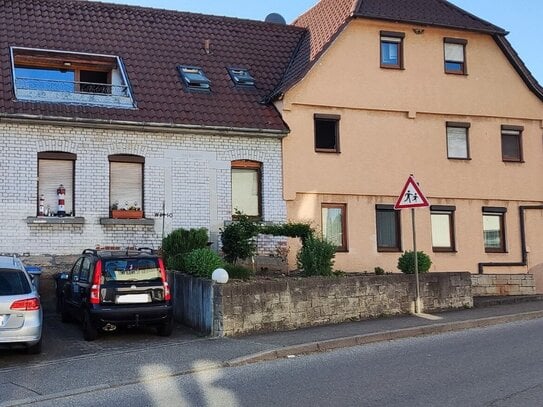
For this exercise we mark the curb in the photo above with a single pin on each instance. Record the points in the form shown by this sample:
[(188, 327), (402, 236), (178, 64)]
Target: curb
[(350, 341)]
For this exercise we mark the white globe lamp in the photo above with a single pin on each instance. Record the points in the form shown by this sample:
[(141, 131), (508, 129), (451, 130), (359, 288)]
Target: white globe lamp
[(220, 276)]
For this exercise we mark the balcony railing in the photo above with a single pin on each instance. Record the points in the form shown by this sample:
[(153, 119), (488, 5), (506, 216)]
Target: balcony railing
[(52, 90)]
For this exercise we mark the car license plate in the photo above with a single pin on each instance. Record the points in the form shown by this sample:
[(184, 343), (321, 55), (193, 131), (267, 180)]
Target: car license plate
[(133, 299), (3, 319)]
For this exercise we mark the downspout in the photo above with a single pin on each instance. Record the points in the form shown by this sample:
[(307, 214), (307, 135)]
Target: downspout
[(524, 252)]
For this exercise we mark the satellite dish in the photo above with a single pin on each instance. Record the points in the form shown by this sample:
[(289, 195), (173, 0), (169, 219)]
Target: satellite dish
[(275, 18)]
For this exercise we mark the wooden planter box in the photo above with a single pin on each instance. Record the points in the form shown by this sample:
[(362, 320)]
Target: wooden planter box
[(118, 214)]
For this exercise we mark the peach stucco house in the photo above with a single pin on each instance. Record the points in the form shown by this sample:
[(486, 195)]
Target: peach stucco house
[(380, 90)]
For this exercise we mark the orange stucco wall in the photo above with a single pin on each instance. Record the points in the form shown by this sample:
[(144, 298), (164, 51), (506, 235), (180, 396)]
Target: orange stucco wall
[(393, 124)]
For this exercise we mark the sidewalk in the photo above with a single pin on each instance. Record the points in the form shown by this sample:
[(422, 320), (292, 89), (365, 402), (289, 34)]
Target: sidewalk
[(151, 358)]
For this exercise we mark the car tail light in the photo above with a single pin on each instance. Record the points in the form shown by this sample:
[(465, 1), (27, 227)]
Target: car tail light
[(95, 288), (167, 294), (30, 304)]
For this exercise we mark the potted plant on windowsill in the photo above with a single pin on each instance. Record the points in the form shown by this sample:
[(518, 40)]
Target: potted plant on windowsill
[(128, 212)]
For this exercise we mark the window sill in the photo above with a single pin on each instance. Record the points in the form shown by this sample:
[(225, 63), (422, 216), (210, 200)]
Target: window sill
[(496, 251), (396, 67), (513, 161), (459, 159), (443, 250), (388, 250), (141, 222), (456, 73), (55, 220), (325, 150)]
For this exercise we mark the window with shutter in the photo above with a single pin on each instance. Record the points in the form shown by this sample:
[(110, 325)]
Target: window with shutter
[(392, 49), (512, 143), (455, 56), (126, 182), (457, 140), (55, 169)]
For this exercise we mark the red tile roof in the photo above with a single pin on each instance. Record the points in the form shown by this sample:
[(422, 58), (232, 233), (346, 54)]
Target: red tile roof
[(152, 43), (427, 12)]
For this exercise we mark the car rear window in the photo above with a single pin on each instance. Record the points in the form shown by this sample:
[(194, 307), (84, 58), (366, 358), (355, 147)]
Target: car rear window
[(13, 282), (131, 270)]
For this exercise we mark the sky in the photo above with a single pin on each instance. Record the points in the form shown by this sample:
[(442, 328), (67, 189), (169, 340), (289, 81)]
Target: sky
[(520, 18)]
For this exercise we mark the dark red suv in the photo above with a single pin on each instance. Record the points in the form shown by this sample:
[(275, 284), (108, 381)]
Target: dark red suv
[(109, 289)]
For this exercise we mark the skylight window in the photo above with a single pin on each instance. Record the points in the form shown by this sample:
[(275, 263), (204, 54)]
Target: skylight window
[(241, 77), (194, 78), (68, 77)]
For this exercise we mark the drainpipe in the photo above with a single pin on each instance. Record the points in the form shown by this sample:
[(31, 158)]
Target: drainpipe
[(524, 252)]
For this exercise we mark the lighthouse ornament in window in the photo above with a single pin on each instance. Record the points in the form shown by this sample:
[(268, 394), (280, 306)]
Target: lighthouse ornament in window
[(61, 195), (41, 210)]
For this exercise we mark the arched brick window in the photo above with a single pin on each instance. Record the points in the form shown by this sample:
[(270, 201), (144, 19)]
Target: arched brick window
[(56, 168), (126, 181)]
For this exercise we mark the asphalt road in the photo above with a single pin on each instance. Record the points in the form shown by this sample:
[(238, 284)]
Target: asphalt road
[(498, 366)]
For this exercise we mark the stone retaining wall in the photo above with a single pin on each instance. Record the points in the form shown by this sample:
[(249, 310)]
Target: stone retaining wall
[(289, 303), (484, 285)]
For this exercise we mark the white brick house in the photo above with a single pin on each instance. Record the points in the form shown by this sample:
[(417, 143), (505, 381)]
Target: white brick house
[(123, 108), (190, 173)]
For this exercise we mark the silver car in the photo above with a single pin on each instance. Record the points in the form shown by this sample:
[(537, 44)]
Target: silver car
[(20, 309)]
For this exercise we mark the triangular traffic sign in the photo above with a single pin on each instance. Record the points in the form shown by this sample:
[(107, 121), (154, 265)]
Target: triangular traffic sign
[(411, 196)]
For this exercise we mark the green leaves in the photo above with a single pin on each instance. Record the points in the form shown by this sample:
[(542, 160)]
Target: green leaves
[(202, 262), (406, 262), (316, 257), (180, 242)]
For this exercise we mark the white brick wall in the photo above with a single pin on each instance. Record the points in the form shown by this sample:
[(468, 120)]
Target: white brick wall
[(190, 172)]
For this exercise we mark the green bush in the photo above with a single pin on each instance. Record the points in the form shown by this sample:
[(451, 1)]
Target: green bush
[(316, 257), (202, 262), (237, 238), (180, 242), (406, 262), (238, 272), (301, 230), (379, 271)]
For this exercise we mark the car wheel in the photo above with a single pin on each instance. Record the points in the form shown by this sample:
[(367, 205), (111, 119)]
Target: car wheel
[(34, 349), (165, 329), (90, 333)]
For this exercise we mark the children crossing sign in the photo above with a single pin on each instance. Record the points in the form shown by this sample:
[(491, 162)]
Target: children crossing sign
[(411, 196)]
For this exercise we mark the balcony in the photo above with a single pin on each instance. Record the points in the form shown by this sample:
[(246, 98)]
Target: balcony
[(63, 91), (67, 77)]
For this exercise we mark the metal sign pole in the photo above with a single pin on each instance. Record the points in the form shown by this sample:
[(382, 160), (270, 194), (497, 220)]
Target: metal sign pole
[(417, 285), (412, 197), (163, 215), (163, 219)]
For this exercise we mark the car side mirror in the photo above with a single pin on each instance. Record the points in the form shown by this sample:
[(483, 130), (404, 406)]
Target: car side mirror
[(34, 271)]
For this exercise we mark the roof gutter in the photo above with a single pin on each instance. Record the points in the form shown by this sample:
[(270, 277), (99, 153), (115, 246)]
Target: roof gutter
[(142, 126), (524, 251)]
